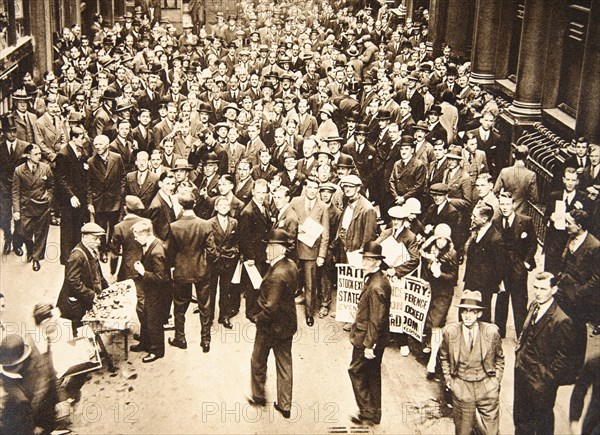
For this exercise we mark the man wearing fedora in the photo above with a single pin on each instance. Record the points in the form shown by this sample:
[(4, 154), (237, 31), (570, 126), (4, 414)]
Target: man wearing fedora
[(33, 193), (276, 323), (24, 119), (11, 155), (103, 114), (369, 335), (83, 276), (50, 132), (409, 175), (542, 359), (473, 364)]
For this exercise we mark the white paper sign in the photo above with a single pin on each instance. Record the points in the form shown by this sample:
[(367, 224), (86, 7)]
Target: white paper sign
[(395, 253), (309, 231)]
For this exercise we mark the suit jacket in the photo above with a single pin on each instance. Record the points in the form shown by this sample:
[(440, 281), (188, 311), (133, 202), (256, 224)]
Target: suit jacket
[(161, 214), (252, 151), (25, 128), (243, 192), (294, 185), (123, 244), (461, 189), (147, 191), (436, 175), (161, 130), (371, 328), (363, 161), (409, 240), (186, 248), (363, 226), (519, 181), (288, 221), (98, 120), (83, 281), (492, 356), (477, 165), (319, 214), (417, 104), (276, 307), (579, 280), (48, 137), (8, 164), (496, 151), (486, 261), (125, 151), (266, 174), (426, 155), (543, 351), (448, 215), (307, 126), (520, 242), (409, 180), (223, 244), (255, 227), (70, 177), (106, 183), (32, 192), (147, 143), (156, 273)]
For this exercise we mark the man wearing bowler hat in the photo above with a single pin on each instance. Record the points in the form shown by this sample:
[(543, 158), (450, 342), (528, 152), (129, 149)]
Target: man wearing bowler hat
[(370, 334), (473, 364), (83, 276), (409, 175), (276, 323)]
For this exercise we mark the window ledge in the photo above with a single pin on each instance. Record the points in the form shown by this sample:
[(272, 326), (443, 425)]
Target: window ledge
[(11, 49), (507, 86), (560, 117)]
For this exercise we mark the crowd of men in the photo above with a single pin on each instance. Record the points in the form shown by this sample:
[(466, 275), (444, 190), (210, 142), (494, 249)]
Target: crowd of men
[(157, 151)]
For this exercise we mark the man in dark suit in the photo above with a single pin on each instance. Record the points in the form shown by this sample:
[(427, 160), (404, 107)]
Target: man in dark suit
[(122, 145), (491, 142), (71, 190), (473, 365), (276, 323), (558, 204), (106, 185), (518, 180), (11, 154), (409, 175), (310, 257), (244, 182), (152, 279), (83, 276), (142, 183), (222, 258), (161, 211), (435, 127), (254, 224), (520, 241), (486, 258), (33, 192), (143, 134), (579, 280), (124, 245), (186, 248), (541, 359), (413, 96), (264, 169), (442, 212), (370, 334), (362, 153)]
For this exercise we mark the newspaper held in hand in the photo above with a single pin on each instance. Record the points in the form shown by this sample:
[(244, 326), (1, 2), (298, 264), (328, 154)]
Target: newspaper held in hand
[(309, 231), (560, 211), (237, 274), (355, 259), (254, 275), (395, 253)]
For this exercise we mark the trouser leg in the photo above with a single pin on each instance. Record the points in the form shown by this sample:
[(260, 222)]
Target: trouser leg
[(156, 333), (182, 295), (258, 364), (283, 364), (309, 271), (40, 236), (203, 297)]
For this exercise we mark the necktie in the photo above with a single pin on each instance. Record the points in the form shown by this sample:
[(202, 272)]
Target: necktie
[(534, 314), (470, 343), (505, 223), (580, 161), (470, 158)]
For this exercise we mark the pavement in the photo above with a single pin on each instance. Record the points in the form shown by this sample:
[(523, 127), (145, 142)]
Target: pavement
[(188, 391)]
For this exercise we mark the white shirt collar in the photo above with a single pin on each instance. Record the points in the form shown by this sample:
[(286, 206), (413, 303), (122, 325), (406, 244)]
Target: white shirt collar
[(483, 230)]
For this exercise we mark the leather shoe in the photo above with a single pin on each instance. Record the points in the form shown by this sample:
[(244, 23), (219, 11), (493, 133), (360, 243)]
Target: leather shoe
[(6, 249), (150, 358), (256, 402), (205, 347), (226, 323), (283, 412), (137, 348), (359, 419), (310, 320), (29, 258), (136, 337), (19, 252), (181, 344), (36, 265)]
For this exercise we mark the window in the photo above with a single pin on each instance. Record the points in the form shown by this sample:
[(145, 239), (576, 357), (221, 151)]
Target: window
[(14, 22)]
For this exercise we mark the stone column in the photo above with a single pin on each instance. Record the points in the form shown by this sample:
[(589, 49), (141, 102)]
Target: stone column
[(41, 13), (410, 8), (438, 10), (530, 72), (458, 16), (485, 38), (588, 108)]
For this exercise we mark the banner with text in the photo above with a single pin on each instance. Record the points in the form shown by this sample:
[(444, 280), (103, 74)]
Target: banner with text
[(409, 301)]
